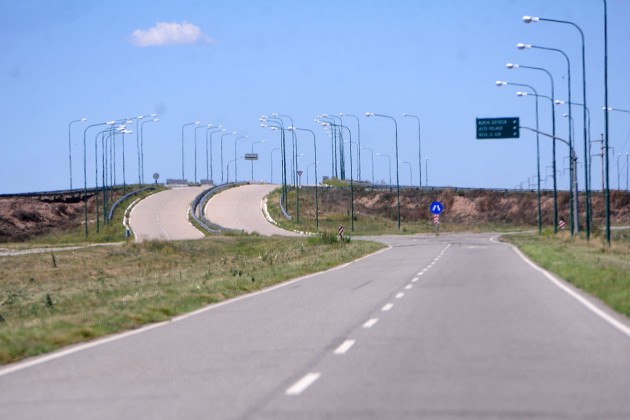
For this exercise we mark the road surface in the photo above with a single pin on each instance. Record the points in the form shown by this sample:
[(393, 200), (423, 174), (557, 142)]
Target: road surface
[(453, 327), (240, 208), (164, 215)]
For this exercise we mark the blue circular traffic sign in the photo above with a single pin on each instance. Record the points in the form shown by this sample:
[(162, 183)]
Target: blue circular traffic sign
[(436, 207)]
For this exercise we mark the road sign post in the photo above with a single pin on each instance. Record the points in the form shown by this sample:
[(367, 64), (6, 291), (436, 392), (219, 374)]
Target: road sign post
[(498, 128), (436, 208)]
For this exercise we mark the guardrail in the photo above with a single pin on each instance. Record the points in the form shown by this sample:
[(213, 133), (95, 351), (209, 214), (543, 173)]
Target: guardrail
[(197, 208), (282, 209), (124, 197)]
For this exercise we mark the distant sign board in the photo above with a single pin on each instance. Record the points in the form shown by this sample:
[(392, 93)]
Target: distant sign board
[(251, 156), (498, 128)]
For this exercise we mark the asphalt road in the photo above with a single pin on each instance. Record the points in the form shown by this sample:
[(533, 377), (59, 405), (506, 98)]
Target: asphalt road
[(164, 215), (241, 208), (454, 327)]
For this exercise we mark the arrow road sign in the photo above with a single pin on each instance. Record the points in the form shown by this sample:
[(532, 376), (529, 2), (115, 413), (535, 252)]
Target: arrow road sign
[(436, 207)]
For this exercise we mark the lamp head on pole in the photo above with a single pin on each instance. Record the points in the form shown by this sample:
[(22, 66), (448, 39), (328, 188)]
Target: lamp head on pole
[(369, 114), (511, 66), (530, 19), (500, 83), (522, 46), (520, 94)]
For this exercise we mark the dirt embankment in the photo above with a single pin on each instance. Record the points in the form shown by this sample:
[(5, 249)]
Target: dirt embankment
[(473, 207), (25, 217)]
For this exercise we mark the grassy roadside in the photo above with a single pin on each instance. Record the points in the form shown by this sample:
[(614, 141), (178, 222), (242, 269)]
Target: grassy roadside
[(51, 300), (591, 266)]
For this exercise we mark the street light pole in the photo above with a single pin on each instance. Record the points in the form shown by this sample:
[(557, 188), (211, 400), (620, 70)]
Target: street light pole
[(141, 171), (371, 114), (499, 84), (358, 142), (419, 149), (195, 140), (573, 188), (372, 158), (316, 178), (235, 161), (587, 224), (85, 171), (410, 172), (223, 135), (70, 146), (607, 191), (252, 162), (185, 125), (210, 176), (553, 122), (389, 165)]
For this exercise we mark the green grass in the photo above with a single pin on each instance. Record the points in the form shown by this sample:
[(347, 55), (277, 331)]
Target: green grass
[(52, 300), (599, 270)]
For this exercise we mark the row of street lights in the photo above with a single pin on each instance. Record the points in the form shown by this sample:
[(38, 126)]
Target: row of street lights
[(586, 127), (142, 119), (335, 128)]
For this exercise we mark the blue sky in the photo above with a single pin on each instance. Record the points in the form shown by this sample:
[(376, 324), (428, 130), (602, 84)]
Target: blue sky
[(229, 62)]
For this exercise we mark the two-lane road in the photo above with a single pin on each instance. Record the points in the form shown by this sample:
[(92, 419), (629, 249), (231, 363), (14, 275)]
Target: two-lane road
[(457, 326)]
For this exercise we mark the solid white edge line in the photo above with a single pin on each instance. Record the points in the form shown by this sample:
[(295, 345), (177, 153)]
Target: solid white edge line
[(370, 323), (344, 347), (37, 360), (624, 329), (301, 385)]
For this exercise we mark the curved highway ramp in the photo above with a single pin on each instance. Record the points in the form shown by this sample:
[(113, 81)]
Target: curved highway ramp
[(240, 208), (164, 216)]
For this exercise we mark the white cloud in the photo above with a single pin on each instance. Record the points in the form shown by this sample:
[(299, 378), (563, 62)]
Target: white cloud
[(169, 33)]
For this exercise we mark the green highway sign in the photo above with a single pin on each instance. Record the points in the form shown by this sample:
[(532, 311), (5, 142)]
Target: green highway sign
[(498, 128)]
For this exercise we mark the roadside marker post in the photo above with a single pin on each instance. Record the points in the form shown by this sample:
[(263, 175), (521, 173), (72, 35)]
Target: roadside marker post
[(436, 208), (340, 230)]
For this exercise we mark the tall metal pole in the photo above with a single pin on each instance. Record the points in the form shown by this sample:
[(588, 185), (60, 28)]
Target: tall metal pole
[(358, 143), (553, 122), (316, 178), (223, 135), (185, 125), (606, 124), (573, 189), (372, 159), (70, 146), (537, 150), (587, 205), (371, 114), (85, 172), (195, 140), (219, 130), (419, 149), (141, 171)]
